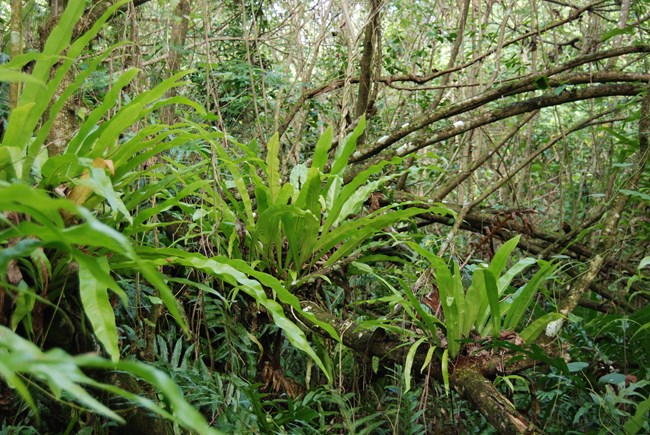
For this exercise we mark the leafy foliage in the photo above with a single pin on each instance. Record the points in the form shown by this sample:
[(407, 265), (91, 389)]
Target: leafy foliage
[(180, 258)]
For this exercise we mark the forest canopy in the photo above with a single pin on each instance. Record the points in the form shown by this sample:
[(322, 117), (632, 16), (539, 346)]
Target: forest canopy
[(324, 217)]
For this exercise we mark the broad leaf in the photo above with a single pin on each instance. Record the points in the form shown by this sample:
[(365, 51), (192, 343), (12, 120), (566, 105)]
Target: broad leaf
[(532, 331), (93, 289)]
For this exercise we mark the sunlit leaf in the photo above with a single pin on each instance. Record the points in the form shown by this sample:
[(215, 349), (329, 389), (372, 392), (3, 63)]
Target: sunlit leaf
[(9, 75), (273, 166), (493, 301)]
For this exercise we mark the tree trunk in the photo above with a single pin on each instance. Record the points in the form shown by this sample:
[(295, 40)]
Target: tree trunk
[(179, 34), (490, 402)]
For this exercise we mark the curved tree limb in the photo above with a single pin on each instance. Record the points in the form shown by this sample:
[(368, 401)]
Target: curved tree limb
[(499, 114), (508, 111), (490, 402)]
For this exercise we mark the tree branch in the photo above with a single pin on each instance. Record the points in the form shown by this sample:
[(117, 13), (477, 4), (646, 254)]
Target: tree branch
[(506, 112)]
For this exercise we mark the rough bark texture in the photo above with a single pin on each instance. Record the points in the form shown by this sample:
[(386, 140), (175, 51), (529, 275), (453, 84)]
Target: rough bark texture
[(490, 402), (369, 41)]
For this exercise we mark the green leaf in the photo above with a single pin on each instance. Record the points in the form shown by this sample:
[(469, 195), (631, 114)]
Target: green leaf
[(408, 364), (612, 378), (645, 262), (429, 320), (152, 140), (9, 374), (273, 166), (427, 359), (629, 30), (298, 178), (556, 91), (636, 194), (93, 289), (267, 237), (12, 156), (577, 366), (101, 184), (354, 233), (635, 424), (19, 131), (459, 301), (522, 298), (321, 151), (346, 148), (88, 132), (301, 230), (12, 76), (506, 278), (541, 82), (493, 301), (23, 306), (500, 259), (22, 248), (533, 330), (446, 289), (55, 368), (309, 195), (182, 412), (47, 224), (445, 370), (474, 297), (503, 284), (347, 199), (242, 189), (191, 189), (332, 192), (109, 132), (234, 272), (80, 78)]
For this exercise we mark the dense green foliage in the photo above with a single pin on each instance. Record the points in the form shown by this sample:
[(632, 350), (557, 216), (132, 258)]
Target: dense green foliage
[(163, 268)]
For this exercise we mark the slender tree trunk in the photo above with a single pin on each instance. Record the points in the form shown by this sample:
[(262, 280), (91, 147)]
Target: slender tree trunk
[(622, 23), (365, 76), (16, 46), (65, 123), (180, 26)]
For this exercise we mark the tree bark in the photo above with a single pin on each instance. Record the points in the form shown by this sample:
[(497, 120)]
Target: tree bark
[(365, 75), (16, 40), (490, 402), (180, 26)]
